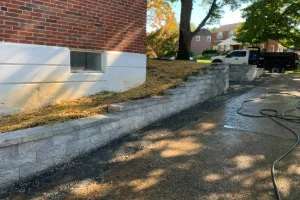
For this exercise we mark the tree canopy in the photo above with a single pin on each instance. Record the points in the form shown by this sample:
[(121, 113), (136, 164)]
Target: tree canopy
[(268, 19), (163, 39), (162, 43), (160, 14)]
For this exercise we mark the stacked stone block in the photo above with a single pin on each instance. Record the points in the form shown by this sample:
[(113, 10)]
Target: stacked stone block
[(244, 73), (31, 151)]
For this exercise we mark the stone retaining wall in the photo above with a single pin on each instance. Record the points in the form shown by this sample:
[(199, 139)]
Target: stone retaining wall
[(260, 72), (28, 152), (244, 72)]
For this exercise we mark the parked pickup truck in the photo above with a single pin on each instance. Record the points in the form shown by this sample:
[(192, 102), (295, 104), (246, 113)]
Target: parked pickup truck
[(275, 62), (246, 57)]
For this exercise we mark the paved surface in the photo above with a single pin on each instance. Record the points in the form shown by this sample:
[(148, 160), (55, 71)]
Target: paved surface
[(206, 152)]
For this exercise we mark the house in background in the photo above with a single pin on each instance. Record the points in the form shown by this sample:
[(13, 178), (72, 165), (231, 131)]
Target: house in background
[(221, 34), (223, 39), (271, 46), (201, 42), (53, 51)]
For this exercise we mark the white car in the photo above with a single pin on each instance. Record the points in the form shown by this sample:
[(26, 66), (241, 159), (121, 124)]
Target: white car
[(237, 57)]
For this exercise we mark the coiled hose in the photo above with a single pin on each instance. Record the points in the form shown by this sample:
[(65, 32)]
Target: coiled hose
[(274, 114)]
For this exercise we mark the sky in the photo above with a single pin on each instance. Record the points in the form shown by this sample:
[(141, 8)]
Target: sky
[(199, 13)]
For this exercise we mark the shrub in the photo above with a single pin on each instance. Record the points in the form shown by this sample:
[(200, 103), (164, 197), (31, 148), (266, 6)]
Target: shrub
[(209, 52), (205, 57), (162, 43)]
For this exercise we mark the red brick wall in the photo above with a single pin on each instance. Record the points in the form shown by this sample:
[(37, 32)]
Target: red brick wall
[(116, 25), (270, 43), (197, 47), (213, 39)]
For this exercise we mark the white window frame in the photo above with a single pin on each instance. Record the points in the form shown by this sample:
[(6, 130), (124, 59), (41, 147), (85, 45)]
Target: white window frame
[(272, 48), (103, 55), (220, 35), (198, 38), (231, 34), (208, 38)]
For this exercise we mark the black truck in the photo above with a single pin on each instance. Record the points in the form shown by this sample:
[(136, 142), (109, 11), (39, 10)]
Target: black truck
[(278, 62)]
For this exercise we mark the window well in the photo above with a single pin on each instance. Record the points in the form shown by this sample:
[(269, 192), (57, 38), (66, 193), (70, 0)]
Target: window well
[(86, 61)]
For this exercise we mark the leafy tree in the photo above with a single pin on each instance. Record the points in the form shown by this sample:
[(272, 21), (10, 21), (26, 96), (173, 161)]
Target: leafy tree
[(268, 19), (214, 11), (162, 42), (213, 29), (160, 14)]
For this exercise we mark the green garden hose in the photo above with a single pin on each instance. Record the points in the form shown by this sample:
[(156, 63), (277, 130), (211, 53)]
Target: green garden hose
[(274, 114)]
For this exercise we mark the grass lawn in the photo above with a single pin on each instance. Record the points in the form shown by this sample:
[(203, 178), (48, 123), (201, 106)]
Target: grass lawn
[(203, 61), (293, 72), (161, 75)]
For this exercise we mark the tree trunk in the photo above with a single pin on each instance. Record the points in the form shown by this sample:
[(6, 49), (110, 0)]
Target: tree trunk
[(185, 34)]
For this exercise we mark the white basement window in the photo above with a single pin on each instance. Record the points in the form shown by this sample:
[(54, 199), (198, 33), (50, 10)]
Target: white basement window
[(198, 38), (86, 61)]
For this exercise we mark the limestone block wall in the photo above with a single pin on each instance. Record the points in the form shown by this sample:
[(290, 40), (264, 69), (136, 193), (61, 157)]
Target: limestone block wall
[(260, 72), (244, 72), (31, 151)]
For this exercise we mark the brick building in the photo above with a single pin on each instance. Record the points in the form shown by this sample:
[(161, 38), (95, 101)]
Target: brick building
[(201, 42), (117, 25), (58, 50), (222, 33), (228, 32)]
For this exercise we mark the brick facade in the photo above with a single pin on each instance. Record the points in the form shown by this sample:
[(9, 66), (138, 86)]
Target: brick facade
[(203, 42), (215, 39), (114, 25)]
